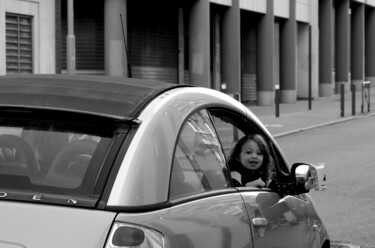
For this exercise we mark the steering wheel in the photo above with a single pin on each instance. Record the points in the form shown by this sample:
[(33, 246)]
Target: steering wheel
[(16, 156)]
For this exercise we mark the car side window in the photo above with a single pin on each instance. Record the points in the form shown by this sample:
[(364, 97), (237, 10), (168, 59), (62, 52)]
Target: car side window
[(229, 134), (231, 127), (199, 163)]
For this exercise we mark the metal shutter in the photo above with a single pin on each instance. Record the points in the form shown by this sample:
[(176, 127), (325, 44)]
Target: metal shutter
[(153, 41), (19, 59), (89, 36), (249, 88)]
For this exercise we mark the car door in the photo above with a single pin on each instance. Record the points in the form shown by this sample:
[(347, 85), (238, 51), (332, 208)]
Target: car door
[(206, 211), (277, 220)]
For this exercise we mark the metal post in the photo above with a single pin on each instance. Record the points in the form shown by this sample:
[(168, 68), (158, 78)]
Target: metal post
[(363, 96), (277, 100), (310, 69), (368, 103), (236, 136), (353, 98), (342, 93), (70, 40)]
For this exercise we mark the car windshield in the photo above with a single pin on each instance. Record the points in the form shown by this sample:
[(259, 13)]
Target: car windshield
[(53, 157)]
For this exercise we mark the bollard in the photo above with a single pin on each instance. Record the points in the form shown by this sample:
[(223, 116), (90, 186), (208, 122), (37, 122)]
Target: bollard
[(342, 91), (365, 85), (363, 97), (235, 129), (277, 100), (368, 103), (353, 98)]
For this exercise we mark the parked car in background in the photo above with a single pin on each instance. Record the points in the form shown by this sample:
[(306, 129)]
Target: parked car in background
[(94, 161)]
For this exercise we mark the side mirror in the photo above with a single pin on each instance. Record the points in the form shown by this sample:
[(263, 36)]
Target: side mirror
[(301, 172)]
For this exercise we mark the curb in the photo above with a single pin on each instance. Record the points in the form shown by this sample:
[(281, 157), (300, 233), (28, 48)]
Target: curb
[(338, 244), (345, 119)]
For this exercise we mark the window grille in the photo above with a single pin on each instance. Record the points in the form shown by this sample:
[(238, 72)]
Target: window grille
[(19, 54)]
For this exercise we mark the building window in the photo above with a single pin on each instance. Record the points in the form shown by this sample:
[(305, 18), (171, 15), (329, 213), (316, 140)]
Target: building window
[(19, 55)]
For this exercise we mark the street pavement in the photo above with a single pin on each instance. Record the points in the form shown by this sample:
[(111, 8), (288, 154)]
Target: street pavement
[(297, 117)]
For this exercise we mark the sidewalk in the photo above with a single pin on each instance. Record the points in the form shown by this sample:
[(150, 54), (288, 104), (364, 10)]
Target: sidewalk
[(296, 117)]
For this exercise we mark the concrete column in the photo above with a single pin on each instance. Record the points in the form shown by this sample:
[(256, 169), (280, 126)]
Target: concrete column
[(303, 59), (265, 58), (231, 52), (342, 46), (216, 57), (115, 57), (314, 49), (288, 57), (369, 46), (199, 43), (358, 44), (325, 47), (181, 46)]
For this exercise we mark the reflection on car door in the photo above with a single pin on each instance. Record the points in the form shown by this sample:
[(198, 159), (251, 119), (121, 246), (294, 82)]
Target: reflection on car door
[(277, 221), (211, 221), (206, 211)]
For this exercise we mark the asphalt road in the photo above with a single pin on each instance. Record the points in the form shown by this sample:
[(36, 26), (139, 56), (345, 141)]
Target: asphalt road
[(348, 151)]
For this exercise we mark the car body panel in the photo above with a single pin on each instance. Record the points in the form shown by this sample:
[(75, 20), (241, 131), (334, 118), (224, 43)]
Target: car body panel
[(284, 214), (320, 234), (218, 221), (38, 225), (161, 121)]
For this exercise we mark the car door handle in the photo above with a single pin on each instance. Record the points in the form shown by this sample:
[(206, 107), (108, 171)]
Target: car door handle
[(260, 222), (315, 227)]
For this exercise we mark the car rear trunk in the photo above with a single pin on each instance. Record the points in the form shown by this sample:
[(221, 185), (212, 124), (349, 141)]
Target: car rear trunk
[(40, 225)]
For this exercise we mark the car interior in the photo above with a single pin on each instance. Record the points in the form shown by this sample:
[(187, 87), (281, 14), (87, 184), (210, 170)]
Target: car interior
[(46, 156)]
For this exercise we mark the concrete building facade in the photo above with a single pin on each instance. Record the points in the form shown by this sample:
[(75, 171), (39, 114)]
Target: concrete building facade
[(244, 47)]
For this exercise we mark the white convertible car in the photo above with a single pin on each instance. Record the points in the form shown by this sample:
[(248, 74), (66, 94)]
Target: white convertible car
[(94, 161)]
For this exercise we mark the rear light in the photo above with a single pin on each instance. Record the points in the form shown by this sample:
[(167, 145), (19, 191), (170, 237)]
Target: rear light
[(132, 236)]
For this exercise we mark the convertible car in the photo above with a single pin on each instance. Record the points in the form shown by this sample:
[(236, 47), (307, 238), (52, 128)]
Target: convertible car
[(95, 161)]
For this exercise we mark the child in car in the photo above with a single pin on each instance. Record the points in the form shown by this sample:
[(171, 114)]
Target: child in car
[(251, 165)]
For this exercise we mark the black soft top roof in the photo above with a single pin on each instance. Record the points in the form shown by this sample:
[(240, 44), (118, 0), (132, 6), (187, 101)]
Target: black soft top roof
[(120, 98)]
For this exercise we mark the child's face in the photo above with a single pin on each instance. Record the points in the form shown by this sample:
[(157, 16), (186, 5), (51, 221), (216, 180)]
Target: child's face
[(251, 157)]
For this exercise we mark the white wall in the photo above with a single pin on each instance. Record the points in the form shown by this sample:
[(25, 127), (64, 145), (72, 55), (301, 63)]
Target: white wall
[(254, 5), (303, 10), (368, 2), (43, 28), (281, 8), (222, 2)]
